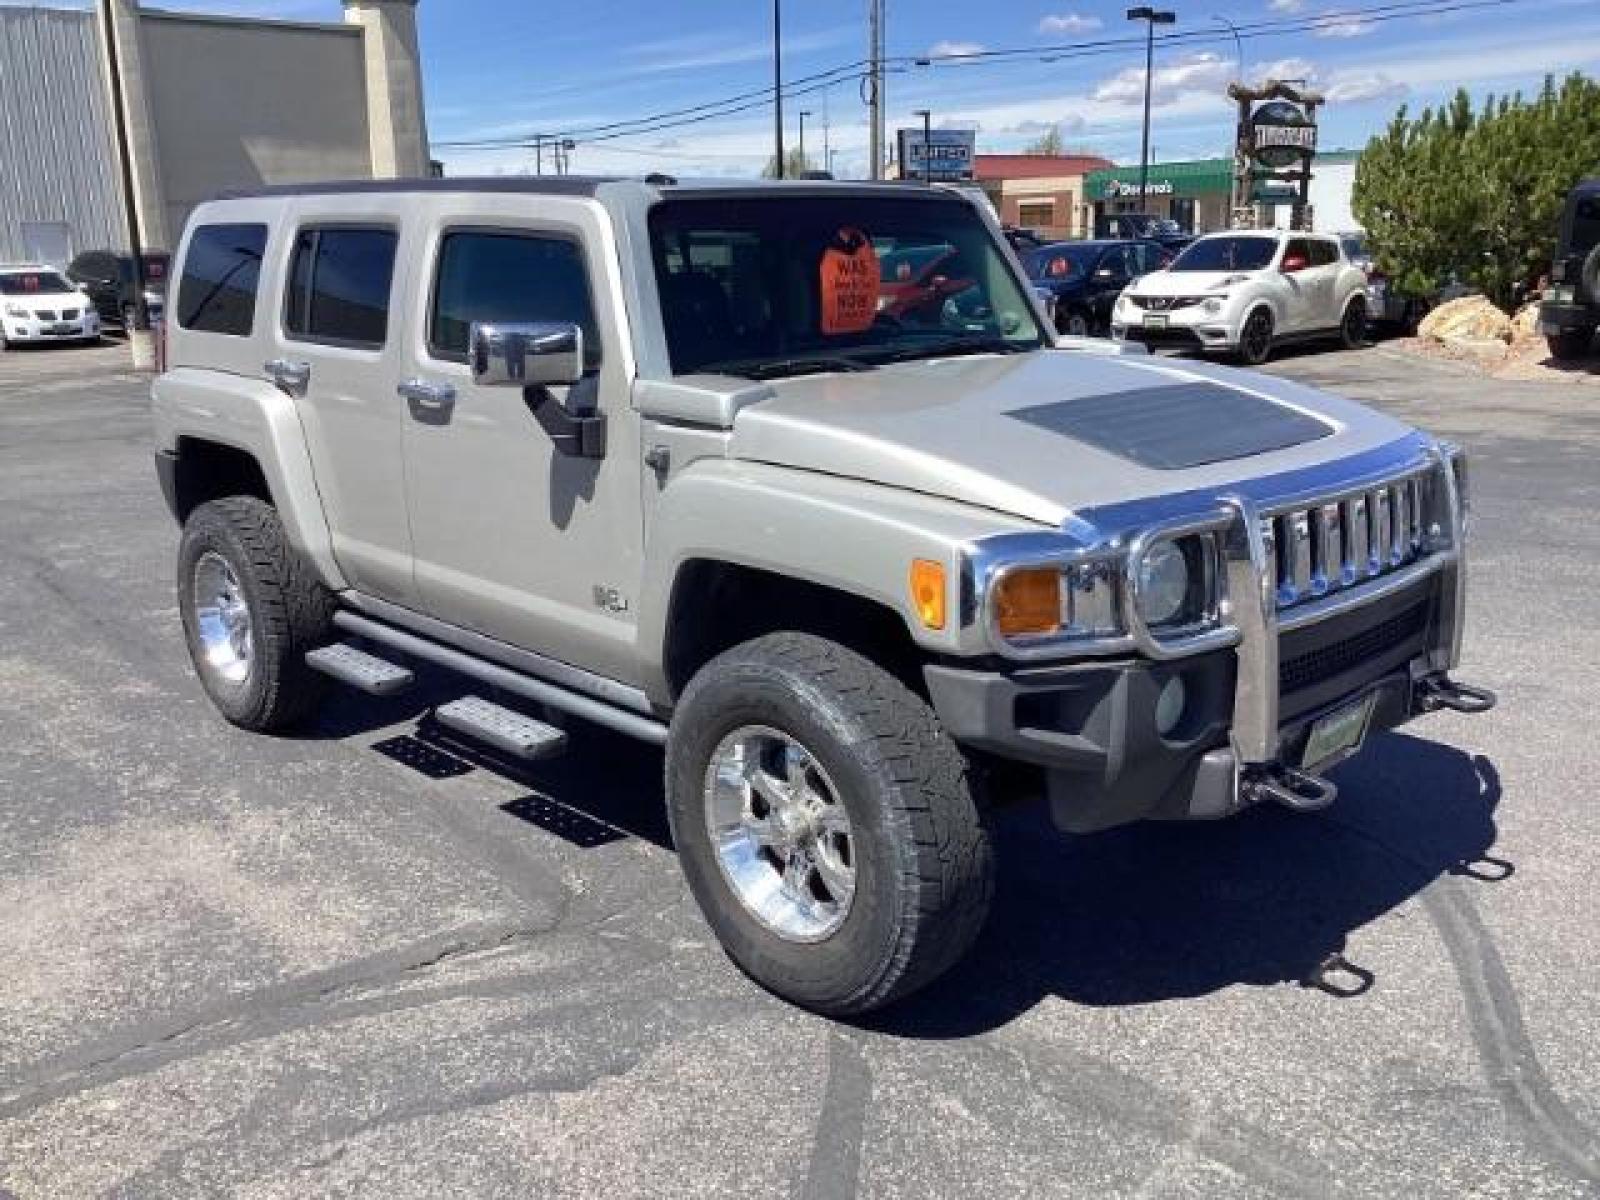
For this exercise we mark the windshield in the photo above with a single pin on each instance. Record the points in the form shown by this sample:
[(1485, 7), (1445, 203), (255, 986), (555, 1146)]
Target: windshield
[(782, 285), (32, 283), (1062, 262), (1227, 254)]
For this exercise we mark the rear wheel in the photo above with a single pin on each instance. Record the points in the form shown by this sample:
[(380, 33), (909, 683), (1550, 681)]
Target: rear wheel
[(1353, 326), (1255, 338), (1570, 344), (825, 824), (251, 607)]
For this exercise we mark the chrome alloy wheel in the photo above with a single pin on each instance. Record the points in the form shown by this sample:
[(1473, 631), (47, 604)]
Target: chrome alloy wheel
[(222, 619), (781, 835)]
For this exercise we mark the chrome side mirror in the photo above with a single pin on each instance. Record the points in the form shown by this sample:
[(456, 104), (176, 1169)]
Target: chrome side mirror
[(512, 354)]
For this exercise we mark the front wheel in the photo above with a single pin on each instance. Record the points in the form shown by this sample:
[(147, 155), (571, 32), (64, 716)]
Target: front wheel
[(1570, 344), (1255, 339), (825, 824), (251, 608)]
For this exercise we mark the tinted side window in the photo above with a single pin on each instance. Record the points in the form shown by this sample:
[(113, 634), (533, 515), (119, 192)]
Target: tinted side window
[(221, 272), (1298, 248), (1323, 254), (508, 277), (339, 285)]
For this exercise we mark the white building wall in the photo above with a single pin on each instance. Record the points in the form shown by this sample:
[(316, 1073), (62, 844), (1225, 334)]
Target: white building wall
[(57, 159)]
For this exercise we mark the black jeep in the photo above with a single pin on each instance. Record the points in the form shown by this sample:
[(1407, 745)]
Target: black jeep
[(1571, 309)]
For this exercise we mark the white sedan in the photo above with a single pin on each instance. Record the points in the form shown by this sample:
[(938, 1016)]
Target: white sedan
[(39, 304), (1245, 293)]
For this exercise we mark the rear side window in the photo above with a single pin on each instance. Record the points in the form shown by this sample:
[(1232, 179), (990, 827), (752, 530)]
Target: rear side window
[(1323, 253), (486, 276), (221, 273), (339, 286)]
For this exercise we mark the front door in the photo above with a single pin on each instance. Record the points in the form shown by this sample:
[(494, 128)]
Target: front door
[(514, 538), (1299, 286)]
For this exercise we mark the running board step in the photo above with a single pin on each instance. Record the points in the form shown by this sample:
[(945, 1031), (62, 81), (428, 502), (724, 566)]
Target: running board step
[(507, 731), (363, 671)]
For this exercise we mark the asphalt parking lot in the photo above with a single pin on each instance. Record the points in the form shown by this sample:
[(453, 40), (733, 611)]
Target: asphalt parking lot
[(349, 965)]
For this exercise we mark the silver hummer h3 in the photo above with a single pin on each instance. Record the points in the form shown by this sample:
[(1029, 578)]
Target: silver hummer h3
[(794, 481)]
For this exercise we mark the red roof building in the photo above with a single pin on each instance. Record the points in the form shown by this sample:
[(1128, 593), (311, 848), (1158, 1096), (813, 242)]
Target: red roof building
[(1044, 192)]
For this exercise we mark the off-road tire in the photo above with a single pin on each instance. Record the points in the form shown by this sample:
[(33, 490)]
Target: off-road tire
[(1570, 344), (923, 858), (1253, 350), (1353, 324), (291, 612)]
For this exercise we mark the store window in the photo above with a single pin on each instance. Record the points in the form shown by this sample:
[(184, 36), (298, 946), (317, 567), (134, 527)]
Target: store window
[(1033, 214)]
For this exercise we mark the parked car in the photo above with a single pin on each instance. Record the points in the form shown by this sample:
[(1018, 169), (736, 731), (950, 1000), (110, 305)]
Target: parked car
[(1570, 312), (1022, 240), (39, 304), (1245, 293), (108, 278), (1084, 279), (1143, 227), (839, 566), (1385, 305)]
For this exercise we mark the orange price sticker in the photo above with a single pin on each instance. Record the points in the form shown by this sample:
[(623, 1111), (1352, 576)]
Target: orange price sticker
[(849, 283)]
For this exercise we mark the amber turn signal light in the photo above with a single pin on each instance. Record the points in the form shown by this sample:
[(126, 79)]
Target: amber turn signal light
[(928, 592), (1028, 602)]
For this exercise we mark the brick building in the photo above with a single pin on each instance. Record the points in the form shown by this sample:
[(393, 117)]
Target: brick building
[(1044, 192)]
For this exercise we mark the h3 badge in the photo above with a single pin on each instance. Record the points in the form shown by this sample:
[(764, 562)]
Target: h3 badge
[(609, 598)]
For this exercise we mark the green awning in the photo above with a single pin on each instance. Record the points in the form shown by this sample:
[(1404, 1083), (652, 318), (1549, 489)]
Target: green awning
[(1200, 177)]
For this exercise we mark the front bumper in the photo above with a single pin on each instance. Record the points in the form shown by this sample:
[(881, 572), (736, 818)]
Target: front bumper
[(31, 330), (1111, 753), (1186, 328)]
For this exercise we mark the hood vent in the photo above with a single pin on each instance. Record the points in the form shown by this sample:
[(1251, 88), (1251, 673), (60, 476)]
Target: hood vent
[(1173, 427)]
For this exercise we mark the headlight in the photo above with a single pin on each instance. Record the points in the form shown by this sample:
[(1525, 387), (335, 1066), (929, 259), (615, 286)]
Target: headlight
[(1163, 588), (16, 310)]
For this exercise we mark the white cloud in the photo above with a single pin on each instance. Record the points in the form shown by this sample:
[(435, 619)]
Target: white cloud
[(1069, 23), (950, 49), (1287, 68), (1341, 25), (1286, 6), (1204, 72), (1361, 87)]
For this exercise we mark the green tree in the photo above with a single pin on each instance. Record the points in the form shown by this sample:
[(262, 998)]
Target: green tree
[(1048, 142), (795, 165), (1477, 195)]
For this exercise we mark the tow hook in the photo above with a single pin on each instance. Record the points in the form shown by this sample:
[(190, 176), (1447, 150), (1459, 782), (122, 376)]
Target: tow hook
[(1440, 691), (1288, 787)]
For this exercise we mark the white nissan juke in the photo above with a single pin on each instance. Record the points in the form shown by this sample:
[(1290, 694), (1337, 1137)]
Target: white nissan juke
[(1244, 293)]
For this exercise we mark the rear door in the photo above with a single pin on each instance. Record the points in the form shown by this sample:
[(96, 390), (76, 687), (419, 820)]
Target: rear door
[(335, 345), (1323, 281), (1299, 286)]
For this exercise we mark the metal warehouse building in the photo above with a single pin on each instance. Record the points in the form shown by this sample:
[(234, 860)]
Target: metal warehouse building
[(212, 103)]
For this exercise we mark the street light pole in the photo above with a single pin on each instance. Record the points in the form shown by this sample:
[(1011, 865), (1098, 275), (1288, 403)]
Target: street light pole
[(927, 143), (1151, 17), (777, 87), (804, 113)]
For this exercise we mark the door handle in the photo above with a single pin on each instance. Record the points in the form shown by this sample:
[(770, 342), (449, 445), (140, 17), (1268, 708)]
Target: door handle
[(293, 377), (431, 396)]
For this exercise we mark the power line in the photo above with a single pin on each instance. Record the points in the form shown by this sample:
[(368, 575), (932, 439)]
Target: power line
[(738, 103)]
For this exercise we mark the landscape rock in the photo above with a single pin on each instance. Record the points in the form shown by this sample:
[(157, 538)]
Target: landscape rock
[(1526, 323), (1470, 318)]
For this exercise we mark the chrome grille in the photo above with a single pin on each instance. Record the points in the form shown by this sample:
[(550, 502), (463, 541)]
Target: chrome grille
[(44, 314), (69, 314), (1164, 303), (1344, 541)]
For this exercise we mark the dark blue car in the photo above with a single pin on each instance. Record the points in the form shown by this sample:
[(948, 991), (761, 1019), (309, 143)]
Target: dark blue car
[(1085, 278)]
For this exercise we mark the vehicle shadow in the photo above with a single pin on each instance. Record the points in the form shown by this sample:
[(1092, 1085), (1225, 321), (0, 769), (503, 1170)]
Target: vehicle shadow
[(1161, 912)]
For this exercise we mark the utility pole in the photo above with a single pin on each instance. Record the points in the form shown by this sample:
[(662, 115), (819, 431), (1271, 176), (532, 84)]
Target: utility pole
[(777, 86), (927, 143), (804, 113), (1151, 17), (143, 352), (875, 96), (827, 126)]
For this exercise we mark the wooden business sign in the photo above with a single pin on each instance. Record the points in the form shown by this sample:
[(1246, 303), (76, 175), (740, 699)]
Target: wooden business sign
[(1277, 139)]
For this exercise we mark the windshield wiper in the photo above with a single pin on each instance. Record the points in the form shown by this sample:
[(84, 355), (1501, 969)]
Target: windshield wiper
[(948, 347), (775, 368)]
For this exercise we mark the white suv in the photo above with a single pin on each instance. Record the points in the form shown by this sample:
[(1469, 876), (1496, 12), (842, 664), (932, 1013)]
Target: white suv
[(1245, 293), (39, 304)]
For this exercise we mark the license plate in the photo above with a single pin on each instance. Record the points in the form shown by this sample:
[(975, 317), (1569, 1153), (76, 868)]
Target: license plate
[(1156, 320), (63, 327), (1339, 734)]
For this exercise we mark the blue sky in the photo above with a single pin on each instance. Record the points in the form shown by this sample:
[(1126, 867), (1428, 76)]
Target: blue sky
[(505, 67)]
